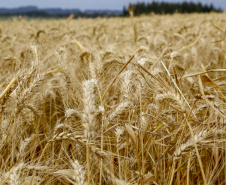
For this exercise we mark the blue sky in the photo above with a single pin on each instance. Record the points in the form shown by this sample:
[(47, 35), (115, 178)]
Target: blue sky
[(92, 4)]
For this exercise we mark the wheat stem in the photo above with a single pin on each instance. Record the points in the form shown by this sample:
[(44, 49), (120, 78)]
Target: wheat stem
[(196, 150)]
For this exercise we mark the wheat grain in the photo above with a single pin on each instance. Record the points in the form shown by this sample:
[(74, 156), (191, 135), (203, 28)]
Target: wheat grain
[(113, 100)]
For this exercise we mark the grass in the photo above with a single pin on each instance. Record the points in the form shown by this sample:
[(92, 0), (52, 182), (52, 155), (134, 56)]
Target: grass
[(137, 100)]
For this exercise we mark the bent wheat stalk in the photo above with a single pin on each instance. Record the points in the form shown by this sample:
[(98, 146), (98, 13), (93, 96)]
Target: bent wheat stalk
[(109, 86), (14, 80)]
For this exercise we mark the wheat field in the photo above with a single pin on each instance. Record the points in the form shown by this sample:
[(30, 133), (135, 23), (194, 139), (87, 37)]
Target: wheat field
[(137, 100)]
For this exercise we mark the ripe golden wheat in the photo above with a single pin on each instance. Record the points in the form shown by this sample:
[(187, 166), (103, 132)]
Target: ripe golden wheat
[(137, 100)]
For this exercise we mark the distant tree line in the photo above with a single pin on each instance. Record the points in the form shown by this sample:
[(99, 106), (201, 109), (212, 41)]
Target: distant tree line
[(33, 11), (136, 9), (168, 8), (43, 14)]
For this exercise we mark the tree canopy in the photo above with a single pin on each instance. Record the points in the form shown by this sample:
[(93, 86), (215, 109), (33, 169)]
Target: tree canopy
[(168, 8)]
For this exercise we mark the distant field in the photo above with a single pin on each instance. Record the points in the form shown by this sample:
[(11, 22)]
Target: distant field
[(113, 101)]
